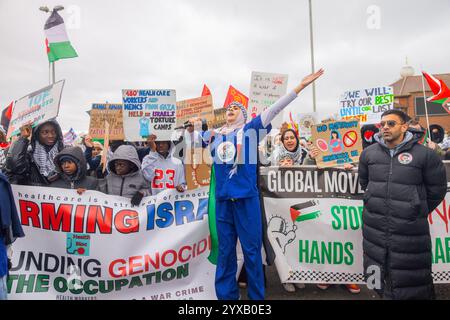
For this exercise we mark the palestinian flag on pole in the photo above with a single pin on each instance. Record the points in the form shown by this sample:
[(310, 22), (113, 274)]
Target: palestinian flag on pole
[(57, 41), (440, 90), (212, 219)]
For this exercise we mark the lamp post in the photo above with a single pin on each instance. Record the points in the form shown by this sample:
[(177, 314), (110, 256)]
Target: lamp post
[(51, 65), (312, 53)]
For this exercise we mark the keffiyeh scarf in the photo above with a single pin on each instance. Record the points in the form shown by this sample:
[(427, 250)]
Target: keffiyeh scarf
[(44, 159)]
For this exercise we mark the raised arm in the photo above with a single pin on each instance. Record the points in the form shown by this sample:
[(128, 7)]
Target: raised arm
[(270, 113)]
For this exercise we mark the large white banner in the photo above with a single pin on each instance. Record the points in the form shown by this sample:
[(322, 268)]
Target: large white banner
[(315, 225), (35, 108), (97, 246)]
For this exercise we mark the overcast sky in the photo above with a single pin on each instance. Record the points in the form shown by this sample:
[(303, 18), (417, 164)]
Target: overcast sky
[(182, 44)]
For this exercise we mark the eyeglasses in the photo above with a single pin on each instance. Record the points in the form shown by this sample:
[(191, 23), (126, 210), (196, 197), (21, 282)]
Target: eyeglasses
[(390, 123)]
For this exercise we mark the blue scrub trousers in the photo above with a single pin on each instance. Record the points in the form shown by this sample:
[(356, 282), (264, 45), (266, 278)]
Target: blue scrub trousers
[(239, 218)]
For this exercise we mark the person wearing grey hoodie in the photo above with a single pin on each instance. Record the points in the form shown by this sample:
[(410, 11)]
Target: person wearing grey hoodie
[(71, 166), (125, 178)]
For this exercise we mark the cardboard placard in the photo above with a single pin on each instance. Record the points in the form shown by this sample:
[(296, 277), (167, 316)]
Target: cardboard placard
[(199, 107), (339, 142), (219, 118), (35, 108), (113, 114), (147, 112), (197, 168), (366, 105)]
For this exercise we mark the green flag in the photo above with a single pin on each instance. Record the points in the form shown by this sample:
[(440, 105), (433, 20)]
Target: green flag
[(212, 219)]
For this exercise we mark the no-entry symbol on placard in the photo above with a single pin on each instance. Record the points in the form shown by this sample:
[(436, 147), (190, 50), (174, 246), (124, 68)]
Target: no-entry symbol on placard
[(350, 139)]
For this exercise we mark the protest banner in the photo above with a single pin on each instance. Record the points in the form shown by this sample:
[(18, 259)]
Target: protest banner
[(219, 118), (265, 90), (197, 167), (36, 108), (366, 105), (96, 246), (315, 225), (199, 107), (339, 142), (147, 112), (113, 114)]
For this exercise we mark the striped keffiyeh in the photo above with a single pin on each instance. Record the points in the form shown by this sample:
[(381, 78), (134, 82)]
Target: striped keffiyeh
[(44, 159)]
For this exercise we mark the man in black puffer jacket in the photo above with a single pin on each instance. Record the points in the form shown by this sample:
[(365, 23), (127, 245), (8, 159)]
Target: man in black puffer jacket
[(403, 182)]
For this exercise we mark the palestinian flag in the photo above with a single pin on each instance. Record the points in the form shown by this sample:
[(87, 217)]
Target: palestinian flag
[(212, 219), (299, 214), (57, 41), (440, 90)]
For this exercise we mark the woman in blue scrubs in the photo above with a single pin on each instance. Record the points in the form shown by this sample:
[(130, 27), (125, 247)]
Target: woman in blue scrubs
[(238, 215)]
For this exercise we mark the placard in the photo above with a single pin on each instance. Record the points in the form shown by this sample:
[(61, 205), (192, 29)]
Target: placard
[(339, 142), (35, 108), (147, 112)]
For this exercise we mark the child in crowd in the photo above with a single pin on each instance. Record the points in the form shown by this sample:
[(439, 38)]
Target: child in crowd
[(162, 169), (72, 171), (125, 177), (93, 155)]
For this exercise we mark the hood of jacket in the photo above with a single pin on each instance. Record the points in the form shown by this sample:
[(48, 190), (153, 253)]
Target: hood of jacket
[(59, 138), (408, 141), (125, 152), (78, 155)]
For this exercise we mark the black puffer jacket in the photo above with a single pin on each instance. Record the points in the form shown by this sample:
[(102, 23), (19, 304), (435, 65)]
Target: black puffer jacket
[(401, 190), (20, 166), (80, 179)]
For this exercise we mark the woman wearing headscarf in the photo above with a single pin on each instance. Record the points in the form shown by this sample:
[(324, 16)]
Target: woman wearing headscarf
[(234, 150), (30, 158), (290, 145)]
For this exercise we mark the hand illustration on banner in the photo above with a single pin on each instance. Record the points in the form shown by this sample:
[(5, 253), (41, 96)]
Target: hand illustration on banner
[(278, 227)]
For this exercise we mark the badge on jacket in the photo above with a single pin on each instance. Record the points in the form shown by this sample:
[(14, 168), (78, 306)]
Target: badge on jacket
[(405, 158), (226, 151)]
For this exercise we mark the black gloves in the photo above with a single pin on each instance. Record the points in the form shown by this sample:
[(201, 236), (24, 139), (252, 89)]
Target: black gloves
[(137, 198)]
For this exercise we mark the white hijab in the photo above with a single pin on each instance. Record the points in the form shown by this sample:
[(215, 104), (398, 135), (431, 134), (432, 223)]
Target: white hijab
[(238, 123)]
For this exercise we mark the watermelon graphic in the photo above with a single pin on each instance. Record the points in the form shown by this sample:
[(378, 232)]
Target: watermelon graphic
[(322, 145)]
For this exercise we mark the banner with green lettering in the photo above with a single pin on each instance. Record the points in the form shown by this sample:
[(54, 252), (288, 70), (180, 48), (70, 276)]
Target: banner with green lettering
[(315, 225)]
